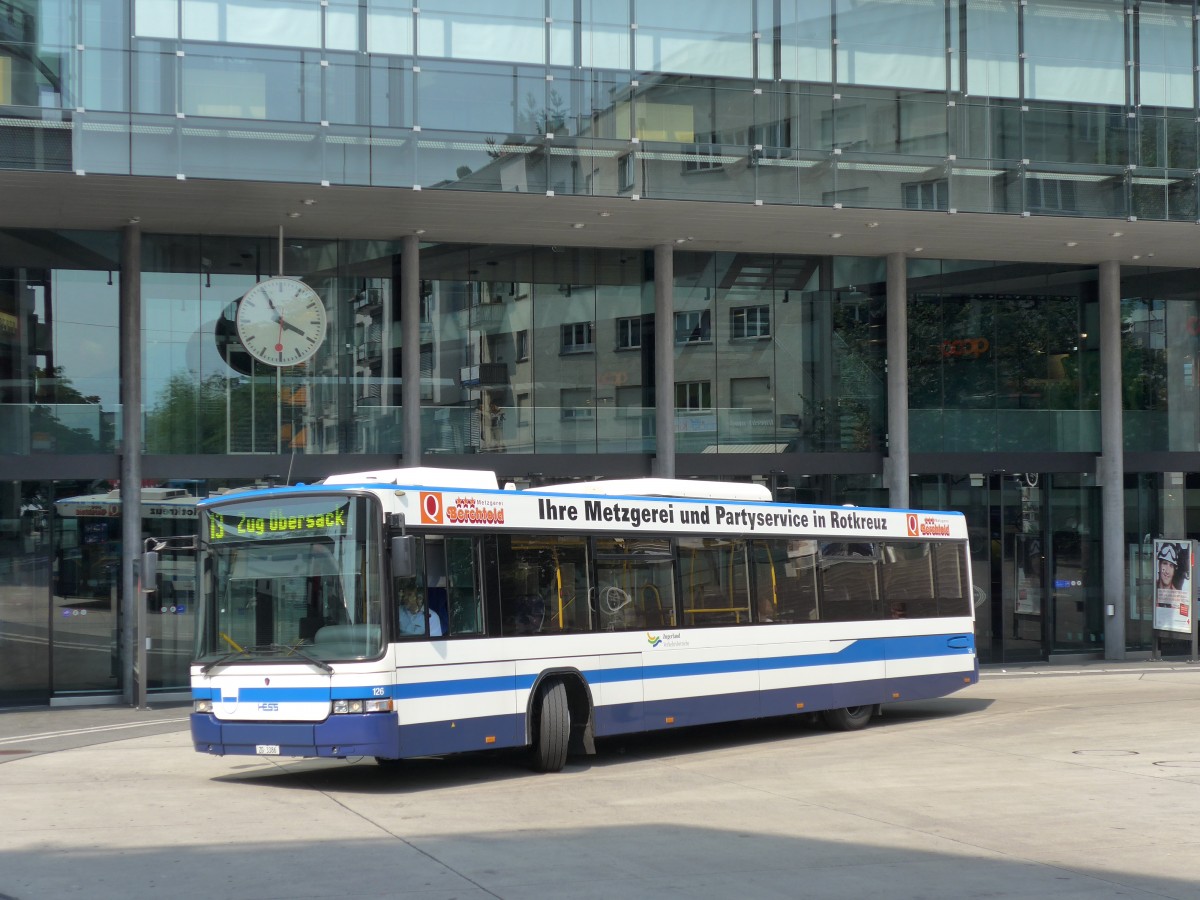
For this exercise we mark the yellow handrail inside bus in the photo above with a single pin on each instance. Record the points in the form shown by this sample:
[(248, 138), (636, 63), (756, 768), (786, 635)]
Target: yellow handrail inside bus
[(558, 581), (231, 642), (774, 582)]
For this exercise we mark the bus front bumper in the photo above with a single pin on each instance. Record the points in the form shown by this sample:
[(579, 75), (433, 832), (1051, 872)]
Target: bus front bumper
[(369, 734)]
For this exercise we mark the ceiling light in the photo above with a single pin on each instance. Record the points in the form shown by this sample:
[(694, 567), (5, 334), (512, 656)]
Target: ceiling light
[(577, 225), (835, 235), (1072, 243), (419, 231), (917, 249), (1118, 234), (293, 215), (1137, 256), (605, 214), (308, 201), (872, 224)]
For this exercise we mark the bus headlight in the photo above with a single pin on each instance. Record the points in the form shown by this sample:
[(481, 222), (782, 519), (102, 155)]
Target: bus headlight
[(362, 706), (202, 706)]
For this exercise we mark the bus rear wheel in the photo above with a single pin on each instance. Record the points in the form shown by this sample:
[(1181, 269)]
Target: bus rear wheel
[(848, 718), (553, 728)]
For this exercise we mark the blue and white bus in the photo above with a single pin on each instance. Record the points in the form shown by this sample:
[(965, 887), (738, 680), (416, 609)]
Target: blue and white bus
[(416, 612)]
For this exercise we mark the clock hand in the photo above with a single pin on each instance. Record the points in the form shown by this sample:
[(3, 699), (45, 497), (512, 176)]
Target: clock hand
[(290, 327)]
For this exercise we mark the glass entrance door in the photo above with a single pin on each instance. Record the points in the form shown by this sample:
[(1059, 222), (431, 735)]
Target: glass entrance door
[(1035, 560), (1019, 575)]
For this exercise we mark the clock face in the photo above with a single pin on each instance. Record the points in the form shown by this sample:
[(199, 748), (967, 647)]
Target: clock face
[(281, 321)]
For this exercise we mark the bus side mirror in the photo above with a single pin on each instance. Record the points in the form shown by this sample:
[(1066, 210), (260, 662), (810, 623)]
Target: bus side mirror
[(149, 571), (403, 553)]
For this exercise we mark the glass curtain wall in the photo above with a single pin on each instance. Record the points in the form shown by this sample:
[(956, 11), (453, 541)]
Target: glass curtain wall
[(778, 354), (522, 350), (28, 565), (536, 350), (904, 104), (1160, 345), (203, 392), (1002, 357), (59, 387)]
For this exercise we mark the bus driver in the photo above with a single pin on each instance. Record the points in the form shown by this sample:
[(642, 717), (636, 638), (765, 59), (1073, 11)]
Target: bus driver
[(413, 614)]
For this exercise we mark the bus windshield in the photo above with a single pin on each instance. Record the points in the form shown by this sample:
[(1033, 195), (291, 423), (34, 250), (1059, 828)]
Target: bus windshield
[(291, 577)]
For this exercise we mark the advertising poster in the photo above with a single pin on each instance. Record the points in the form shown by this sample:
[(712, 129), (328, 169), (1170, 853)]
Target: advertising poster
[(1173, 602), (1030, 565)]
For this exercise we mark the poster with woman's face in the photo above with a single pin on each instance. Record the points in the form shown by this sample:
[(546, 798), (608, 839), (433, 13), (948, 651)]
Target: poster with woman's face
[(1173, 603)]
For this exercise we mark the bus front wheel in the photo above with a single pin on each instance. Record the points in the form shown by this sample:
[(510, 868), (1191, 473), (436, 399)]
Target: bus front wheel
[(849, 718), (553, 728)]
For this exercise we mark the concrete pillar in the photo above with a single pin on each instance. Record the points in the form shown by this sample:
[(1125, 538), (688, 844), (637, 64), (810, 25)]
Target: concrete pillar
[(410, 343), (133, 607), (664, 361), (896, 465), (1110, 467)]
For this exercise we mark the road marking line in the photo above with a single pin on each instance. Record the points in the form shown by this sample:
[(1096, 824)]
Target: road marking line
[(98, 729)]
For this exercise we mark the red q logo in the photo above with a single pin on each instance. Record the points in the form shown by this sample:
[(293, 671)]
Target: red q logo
[(431, 509), (913, 530)]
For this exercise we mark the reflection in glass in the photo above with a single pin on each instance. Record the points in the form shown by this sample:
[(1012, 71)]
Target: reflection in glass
[(994, 365), (60, 391), (901, 43), (26, 564)]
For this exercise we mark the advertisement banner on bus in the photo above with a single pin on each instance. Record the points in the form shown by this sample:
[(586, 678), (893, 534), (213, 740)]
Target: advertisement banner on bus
[(662, 514)]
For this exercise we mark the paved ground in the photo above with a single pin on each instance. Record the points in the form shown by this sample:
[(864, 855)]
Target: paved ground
[(1039, 782)]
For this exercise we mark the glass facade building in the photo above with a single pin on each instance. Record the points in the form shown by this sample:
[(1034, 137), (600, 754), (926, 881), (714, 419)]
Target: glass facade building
[(927, 252)]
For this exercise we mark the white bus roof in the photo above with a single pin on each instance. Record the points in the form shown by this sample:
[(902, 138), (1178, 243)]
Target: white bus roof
[(424, 476), (157, 503), (663, 487)]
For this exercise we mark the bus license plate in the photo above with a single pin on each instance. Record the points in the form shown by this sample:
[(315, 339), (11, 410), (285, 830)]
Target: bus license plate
[(266, 749)]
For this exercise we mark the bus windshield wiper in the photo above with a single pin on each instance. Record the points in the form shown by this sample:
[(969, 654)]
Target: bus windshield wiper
[(283, 649), (289, 649), (221, 660)]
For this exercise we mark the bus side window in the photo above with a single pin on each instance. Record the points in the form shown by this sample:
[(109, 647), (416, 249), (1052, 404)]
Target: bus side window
[(520, 585), (465, 608), (849, 582), (785, 580), (950, 580), (907, 576), (714, 579)]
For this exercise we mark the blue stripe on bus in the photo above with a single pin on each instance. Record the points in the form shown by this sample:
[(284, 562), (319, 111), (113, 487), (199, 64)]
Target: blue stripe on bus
[(247, 694), (860, 651), (463, 686)]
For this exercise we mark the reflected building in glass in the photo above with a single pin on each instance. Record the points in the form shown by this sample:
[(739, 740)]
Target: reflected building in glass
[(935, 253)]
